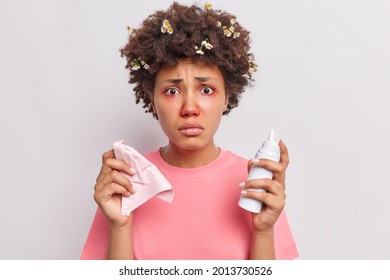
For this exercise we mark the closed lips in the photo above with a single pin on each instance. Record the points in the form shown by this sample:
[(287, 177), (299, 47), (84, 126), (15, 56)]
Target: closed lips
[(192, 125), (191, 129)]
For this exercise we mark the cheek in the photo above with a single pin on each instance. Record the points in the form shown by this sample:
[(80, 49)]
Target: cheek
[(213, 104), (166, 124), (162, 105), (166, 115)]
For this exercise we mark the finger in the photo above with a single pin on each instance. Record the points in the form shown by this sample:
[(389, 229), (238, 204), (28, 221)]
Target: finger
[(108, 154), (284, 161), (115, 177), (274, 202), (251, 162), (273, 166), (269, 185), (120, 165), (105, 194), (105, 169), (110, 164), (284, 157), (278, 170)]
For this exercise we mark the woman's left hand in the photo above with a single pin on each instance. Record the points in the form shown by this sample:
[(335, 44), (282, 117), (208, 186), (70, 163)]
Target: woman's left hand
[(274, 198)]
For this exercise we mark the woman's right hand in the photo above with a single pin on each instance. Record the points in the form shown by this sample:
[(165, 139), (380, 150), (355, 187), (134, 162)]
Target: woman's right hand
[(110, 186)]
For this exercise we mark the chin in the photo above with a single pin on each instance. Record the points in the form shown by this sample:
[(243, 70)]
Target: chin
[(191, 144)]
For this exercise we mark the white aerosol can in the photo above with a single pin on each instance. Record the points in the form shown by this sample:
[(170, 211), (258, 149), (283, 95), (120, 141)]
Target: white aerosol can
[(269, 150)]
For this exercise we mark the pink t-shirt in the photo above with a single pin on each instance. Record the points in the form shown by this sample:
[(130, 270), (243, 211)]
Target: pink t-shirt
[(203, 221)]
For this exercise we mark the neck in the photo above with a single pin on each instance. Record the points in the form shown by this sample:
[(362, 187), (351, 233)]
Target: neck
[(189, 158)]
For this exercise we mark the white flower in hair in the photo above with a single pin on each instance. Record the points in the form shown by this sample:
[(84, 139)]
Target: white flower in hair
[(131, 31), (145, 65), (165, 23), (166, 27), (251, 69), (136, 64), (227, 32), (206, 44)]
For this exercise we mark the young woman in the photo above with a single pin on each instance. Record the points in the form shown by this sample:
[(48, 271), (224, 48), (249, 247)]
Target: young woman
[(190, 66)]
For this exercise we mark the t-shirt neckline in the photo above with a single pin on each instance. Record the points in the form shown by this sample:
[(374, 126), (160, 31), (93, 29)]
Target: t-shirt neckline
[(183, 172)]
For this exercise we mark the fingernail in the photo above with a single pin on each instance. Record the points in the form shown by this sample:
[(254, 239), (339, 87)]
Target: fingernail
[(255, 160), (242, 184), (244, 192), (132, 170)]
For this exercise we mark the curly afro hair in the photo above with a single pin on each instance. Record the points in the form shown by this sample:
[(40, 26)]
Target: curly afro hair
[(149, 49)]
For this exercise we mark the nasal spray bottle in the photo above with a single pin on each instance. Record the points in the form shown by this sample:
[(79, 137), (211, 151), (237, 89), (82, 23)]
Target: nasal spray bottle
[(269, 150)]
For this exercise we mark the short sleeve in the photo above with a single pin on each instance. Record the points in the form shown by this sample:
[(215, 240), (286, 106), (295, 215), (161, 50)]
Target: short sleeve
[(285, 247), (95, 247)]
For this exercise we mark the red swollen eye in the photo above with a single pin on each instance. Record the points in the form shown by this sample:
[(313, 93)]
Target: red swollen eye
[(207, 90), (171, 91)]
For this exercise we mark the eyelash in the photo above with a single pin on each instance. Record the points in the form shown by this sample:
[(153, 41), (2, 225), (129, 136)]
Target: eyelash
[(208, 87), (168, 91)]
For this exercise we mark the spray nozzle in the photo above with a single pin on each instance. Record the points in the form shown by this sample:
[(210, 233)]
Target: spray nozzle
[(271, 136)]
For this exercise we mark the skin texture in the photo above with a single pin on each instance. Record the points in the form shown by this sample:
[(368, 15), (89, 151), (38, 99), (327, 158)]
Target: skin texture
[(189, 100)]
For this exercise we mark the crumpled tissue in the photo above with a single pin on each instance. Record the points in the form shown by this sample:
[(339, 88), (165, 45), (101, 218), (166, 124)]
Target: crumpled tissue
[(147, 182)]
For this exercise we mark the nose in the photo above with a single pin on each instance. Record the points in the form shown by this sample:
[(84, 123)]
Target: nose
[(190, 106)]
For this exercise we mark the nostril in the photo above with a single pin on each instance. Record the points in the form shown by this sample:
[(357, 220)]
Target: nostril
[(189, 109), (189, 113)]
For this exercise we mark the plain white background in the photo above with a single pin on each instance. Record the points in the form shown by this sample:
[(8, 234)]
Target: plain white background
[(323, 85)]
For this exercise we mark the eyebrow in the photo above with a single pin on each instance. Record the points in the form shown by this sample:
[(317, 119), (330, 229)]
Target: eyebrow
[(172, 81), (178, 81), (204, 79)]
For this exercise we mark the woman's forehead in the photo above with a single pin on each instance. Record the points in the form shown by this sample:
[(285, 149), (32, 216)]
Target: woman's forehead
[(191, 66)]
